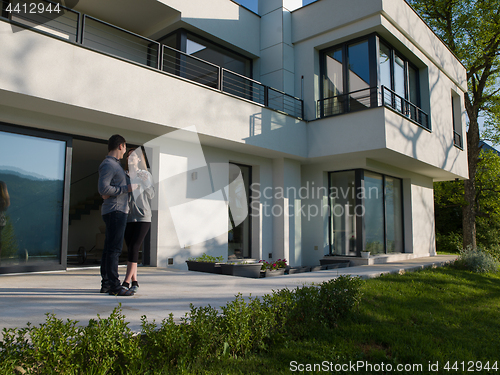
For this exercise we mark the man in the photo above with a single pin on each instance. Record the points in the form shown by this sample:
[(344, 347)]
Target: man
[(113, 183)]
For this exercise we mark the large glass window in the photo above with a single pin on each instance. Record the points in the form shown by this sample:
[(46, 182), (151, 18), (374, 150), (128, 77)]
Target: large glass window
[(366, 213), (359, 66), (394, 214), (333, 82), (343, 218), (239, 241), (385, 65), (456, 118), (347, 78), (399, 75), (334, 74), (353, 73), (201, 48), (32, 172), (374, 213)]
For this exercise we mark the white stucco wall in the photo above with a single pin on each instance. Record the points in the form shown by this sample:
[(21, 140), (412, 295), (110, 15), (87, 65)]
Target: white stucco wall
[(222, 19), (423, 226), (168, 242), (48, 76)]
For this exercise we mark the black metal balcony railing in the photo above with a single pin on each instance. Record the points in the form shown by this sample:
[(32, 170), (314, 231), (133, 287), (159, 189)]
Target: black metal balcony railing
[(371, 98), (405, 107), (351, 102), (457, 139), (120, 43)]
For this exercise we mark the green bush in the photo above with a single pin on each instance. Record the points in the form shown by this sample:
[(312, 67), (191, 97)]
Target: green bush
[(165, 346), (58, 347), (476, 260), (305, 307), (449, 243), (205, 334)]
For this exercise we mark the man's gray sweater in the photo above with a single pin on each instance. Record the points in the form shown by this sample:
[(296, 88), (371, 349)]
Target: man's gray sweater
[(113, 182)]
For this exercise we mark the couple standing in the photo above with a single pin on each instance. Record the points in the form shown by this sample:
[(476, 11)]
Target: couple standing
[(126, 211)]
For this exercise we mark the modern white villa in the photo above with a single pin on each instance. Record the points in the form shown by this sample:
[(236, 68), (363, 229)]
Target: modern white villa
[(309, 131)]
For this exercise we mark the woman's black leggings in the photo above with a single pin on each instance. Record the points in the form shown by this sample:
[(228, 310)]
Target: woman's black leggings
[(134, 237)]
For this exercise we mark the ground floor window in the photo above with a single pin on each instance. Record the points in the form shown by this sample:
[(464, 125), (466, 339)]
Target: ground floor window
[(239, 234), (366, 213), (32, 175)]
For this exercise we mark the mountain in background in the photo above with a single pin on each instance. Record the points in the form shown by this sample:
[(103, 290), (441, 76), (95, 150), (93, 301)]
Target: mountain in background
[(35, 212), (4, 169)]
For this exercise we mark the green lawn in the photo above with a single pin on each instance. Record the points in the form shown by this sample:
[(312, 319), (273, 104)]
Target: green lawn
[(439, 315)]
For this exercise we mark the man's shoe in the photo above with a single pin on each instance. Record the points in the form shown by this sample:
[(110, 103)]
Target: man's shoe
[(122, 292), (104, 289)]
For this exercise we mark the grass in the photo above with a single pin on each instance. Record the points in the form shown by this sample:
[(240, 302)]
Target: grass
[(436, 315)]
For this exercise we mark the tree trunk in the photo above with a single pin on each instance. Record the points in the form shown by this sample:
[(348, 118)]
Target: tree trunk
[(469, 214), (469, 211)]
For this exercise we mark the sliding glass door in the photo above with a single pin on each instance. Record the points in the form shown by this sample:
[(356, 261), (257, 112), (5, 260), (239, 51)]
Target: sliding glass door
[(32, 187), (366, 213)]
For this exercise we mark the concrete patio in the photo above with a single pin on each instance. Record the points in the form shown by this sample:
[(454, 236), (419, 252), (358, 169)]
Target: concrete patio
[(74, 294)]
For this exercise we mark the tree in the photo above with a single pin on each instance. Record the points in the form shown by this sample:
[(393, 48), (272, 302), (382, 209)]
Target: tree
[(449, 202), (471, 29)]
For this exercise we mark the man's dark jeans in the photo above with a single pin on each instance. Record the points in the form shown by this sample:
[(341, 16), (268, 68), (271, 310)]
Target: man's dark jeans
[(116, 223)]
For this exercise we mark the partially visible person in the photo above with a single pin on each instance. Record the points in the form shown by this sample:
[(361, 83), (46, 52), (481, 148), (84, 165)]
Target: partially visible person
[(4, 204), (113, 183), (139, 216)]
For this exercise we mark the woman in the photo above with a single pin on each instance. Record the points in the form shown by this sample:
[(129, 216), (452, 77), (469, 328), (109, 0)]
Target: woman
[(139, 217), (4, 203)]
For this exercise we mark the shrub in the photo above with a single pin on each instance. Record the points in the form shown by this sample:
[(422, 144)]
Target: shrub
[(207, 258), (246, 326), (449, 243), (305, 307), (476, 260), (167, 345), (108, 346), (58, 347)]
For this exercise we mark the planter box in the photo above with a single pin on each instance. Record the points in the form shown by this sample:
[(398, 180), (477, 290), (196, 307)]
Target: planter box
[(243, 270), (203, 266), (334, 263), (292, 270), (318, 268), (271, 273)]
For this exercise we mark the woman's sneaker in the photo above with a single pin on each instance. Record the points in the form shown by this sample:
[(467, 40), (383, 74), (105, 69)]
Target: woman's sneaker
[(135, 287)]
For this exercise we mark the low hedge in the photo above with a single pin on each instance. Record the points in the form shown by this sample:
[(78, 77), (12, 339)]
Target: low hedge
[(109, 346)]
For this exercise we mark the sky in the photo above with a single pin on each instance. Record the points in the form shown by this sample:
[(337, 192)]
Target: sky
[(253, 4), (38, 156)]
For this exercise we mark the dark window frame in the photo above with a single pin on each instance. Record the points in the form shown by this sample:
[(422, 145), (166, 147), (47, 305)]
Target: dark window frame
[(181, 45), (359, 179), (374, 40), (250, 200), (45, 134), (457, 132), (407, 64)]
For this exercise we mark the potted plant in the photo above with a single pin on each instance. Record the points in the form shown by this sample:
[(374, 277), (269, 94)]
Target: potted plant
[(273, 269), (243, 269), (205, 263), (365, 254)]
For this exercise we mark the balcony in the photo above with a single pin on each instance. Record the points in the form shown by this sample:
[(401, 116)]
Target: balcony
[(370, 98), (97, 35)]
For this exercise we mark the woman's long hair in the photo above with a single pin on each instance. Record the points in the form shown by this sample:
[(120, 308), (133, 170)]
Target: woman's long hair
[(4, 196)]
